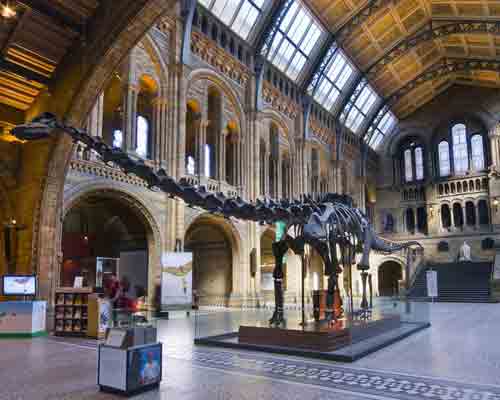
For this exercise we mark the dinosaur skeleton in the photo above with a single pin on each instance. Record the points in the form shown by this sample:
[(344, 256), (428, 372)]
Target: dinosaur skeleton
[(329, 223)]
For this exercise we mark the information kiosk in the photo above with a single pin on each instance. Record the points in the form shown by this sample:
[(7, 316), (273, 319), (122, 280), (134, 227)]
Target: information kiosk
[(24, 318)]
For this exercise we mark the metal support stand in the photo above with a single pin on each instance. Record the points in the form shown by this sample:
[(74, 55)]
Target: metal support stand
[(303, 278)]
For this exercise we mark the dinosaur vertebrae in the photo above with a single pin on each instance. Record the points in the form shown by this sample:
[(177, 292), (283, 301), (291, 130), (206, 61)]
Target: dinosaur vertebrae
[(292, 211)]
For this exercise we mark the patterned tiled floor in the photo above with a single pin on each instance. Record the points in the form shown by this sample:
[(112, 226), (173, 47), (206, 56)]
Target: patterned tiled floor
[(456, 359)]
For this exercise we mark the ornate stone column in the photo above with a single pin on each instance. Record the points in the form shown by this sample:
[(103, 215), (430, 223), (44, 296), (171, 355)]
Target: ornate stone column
[(130, 117), (278, 174), (202, 141), (160, 131), (266, 172), (221, 174), (494, 136), (94, 121)]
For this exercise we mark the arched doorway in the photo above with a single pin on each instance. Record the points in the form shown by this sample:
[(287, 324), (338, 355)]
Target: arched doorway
[(389, 274), (213, 252), (267, 265), (104, 231)]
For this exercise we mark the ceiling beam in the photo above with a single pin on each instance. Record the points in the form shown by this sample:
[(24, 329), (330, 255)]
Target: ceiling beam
[(447, 67), (11, 67), (427, 34), (60, 18), (359, 18)]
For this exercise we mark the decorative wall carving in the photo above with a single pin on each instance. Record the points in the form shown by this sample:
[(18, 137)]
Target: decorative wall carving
[(208, 51), (278, 101)]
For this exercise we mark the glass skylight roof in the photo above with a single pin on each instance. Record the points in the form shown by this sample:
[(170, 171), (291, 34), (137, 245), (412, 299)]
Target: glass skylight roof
[(333, 81), (382, 129), (361, 108), (295, 40), (240, 15)]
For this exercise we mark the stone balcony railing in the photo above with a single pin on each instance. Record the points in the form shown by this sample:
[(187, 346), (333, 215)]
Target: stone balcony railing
[(213, 185), (472, 184), (89, 162)]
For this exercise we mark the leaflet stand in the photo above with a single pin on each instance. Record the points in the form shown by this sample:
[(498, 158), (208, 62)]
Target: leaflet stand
[(131, 370), (130, 361)]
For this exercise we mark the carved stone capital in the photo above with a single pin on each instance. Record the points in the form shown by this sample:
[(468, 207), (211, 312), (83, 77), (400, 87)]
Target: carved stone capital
[(495, 131)]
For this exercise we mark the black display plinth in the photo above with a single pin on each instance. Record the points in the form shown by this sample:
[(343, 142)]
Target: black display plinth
[(319, 336)]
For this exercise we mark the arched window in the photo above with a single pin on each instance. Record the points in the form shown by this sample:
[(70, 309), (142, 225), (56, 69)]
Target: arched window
[(422, 220), (142, 136), (410, 220), (408, 166), (458, 216), (470, 213), (477, 150), (190, 165), (445, 216), (419, 164), (460, 154), (208, 160), (117, 138), (482, 210), (444, 159)]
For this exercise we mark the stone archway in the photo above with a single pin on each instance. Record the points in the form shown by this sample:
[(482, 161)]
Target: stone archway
[(76, 94), (123, 216), (389, 274), (216, 247)]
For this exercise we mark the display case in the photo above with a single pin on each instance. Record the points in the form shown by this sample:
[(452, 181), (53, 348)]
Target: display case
[(356, 331), (71, 311)]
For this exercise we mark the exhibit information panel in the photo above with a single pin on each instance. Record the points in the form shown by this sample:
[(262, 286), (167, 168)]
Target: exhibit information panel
[(177, 279), (22, 318), (432, 283)]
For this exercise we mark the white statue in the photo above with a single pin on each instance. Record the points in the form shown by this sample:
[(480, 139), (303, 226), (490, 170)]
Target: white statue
[(464, 252)]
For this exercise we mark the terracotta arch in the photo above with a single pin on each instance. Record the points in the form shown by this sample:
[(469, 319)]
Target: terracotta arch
[(233, 236), (137, 206), (270, 114), (158, 62), (142, 14), (220, 83)]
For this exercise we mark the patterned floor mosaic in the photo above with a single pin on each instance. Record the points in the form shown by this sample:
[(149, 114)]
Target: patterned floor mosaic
[(337, 377)]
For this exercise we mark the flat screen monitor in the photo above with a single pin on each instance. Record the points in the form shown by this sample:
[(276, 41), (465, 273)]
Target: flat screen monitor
[(19, 285)]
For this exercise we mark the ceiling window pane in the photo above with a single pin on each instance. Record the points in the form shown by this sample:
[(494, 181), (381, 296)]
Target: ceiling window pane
[(296, 65), (344, 77), (297, 36), (337, 74), (245, 20), (310, 40), (361, 108), (323, 90), (240, 15)]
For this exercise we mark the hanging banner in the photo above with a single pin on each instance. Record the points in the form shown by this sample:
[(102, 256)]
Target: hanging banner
[(177, 279)]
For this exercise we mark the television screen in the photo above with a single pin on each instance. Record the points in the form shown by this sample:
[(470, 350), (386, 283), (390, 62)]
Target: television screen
[(19, 285)]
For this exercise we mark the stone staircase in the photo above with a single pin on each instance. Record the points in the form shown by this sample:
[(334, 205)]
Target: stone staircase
[(465, 282)]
